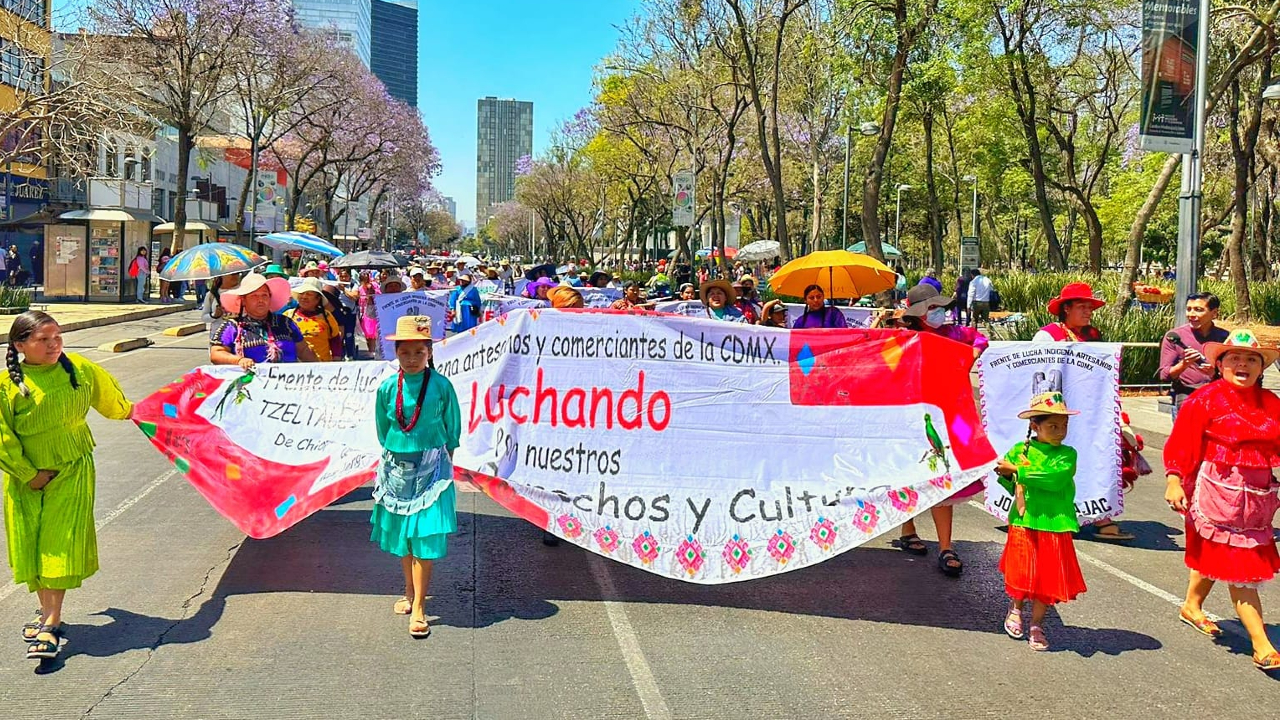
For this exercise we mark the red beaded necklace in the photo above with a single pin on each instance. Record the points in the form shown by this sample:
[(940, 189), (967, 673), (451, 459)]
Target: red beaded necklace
[(417, 411)]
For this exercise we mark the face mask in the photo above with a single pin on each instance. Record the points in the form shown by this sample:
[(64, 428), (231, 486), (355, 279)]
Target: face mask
[(936, 317)]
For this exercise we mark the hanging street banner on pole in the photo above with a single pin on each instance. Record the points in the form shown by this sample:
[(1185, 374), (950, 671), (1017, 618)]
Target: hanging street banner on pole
[(1088, 376), (970, 253), (626, 434), (682, 198), (1169, 42)]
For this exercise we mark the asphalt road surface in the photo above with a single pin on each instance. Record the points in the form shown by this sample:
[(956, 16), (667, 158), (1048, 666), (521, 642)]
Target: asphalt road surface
[(189, 619)]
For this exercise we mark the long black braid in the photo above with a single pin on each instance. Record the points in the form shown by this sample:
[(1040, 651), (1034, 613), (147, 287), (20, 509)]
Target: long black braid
[(24, 326)]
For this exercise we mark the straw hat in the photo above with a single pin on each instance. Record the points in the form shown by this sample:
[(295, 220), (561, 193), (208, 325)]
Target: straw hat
[(232, 300), (310, 284), (730, 293), (1075, 291), (412, 327), (393, 278), (1241, 339), (417, 272), (1048, 403), (923, 298)]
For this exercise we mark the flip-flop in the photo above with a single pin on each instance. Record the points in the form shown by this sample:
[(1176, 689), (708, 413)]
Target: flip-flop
[(1270, 663), (31, 629), (419, 634), (945, 558), (1013, 624), (1036, 639), (1117, 536), (44, 649), (1204, 625), (911, 544)]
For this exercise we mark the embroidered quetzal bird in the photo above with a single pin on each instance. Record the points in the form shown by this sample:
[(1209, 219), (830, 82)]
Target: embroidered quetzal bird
[(937, 451)]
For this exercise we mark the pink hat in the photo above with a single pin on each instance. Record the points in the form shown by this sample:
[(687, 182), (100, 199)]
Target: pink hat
[(324, 265), (233, 299)]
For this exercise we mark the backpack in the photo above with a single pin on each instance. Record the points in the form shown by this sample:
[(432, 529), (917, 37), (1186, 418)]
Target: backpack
[(133, 268), (995, 299)]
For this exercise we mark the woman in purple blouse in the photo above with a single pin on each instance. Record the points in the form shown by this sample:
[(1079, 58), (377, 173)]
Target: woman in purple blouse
[(817, 314), (253, 331)]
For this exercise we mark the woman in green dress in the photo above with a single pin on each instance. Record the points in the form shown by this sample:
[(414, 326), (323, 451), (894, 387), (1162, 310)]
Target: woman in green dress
[(46, 452)]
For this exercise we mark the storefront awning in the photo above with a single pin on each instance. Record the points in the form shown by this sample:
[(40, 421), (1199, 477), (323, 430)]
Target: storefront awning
[(199, 226), (112, 215)]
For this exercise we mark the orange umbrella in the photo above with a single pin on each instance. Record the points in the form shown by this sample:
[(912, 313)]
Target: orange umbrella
[(840, 274)]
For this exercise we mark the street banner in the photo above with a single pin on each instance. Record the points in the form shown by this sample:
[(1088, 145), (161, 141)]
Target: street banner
[(970, 253), (682, 198), (857, 317), (268, 448), (1088, 375), (393, 306), (704, 451), (1170, 36), (495, 304), (595, 297)]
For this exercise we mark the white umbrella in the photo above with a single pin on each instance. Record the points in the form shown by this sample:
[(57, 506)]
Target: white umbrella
[(469, 260), (760, 250)]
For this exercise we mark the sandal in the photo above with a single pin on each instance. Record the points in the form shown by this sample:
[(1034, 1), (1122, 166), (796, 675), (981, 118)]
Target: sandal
[(45, 649), (419, 629), (950, 563), (1013, 623), (1204, 625), (1116, 534), (1036, 639), (1269, 663), (402, 606), (31, 629), (912, 544)]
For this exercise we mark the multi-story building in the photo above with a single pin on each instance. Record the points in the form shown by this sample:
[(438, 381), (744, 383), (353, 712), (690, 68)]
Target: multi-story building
[(504, 134), (395, 48), (25, 46), (450, 206), (350, 21)]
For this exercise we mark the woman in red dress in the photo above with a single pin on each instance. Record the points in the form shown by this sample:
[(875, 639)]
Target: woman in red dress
[(1219, 459)]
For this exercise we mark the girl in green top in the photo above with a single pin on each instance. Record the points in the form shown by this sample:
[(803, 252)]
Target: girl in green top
[(1039, 561), (419, 426), (46, 452)]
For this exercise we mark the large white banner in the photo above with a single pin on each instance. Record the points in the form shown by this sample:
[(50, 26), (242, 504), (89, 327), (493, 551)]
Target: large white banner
[(708, 451), (704, 451), (393, 306), (1088, 374)]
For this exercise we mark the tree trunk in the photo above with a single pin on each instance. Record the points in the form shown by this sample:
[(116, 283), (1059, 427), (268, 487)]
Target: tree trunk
[(931, 185), (180, 211), (871, 184), (1093, 226), (1137, 231), (817, 201)]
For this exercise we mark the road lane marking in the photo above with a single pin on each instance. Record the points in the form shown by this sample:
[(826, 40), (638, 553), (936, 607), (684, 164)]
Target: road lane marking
[(12, 587), (655, 708), (1131, 579)]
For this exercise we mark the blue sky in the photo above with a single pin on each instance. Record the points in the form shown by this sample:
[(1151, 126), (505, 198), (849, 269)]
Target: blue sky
[(544, 51)]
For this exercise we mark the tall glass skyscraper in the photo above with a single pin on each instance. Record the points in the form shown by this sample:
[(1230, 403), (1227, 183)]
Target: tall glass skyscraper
[(504, 134), (350, 21), (395, 48)]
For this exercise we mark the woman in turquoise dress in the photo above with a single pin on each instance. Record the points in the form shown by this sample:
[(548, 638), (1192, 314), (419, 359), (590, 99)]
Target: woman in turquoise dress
[(419, 426)]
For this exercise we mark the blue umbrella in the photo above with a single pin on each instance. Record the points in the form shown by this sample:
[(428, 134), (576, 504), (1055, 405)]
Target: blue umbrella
[(293, 240)]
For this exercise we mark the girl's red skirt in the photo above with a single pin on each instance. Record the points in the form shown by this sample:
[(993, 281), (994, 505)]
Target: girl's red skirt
[(1041, 565), (1230, 564)]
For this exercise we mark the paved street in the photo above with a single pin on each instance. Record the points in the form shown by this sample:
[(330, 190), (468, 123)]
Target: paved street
[(188, 619)]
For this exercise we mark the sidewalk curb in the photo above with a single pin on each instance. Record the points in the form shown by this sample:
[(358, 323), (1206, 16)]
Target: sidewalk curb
[(126, 345), (184, 330), (113, 319)]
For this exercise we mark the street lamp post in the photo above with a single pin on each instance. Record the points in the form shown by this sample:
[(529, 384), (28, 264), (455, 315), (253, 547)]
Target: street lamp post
[(897, 221), (1189, 200), (867, 129)]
